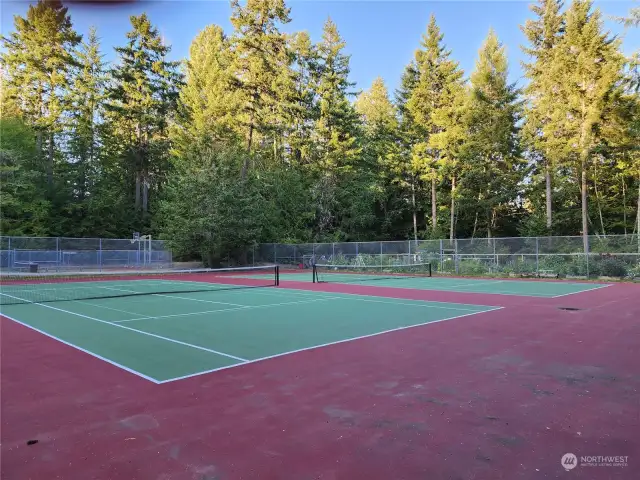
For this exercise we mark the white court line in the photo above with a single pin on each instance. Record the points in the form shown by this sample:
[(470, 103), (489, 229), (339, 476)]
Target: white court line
[(174, 296), (323, 345), (481, 282), (100, 357), (172, 340), (109, 308), (246, 307), (317, 293), (583, 291), (252, 307)]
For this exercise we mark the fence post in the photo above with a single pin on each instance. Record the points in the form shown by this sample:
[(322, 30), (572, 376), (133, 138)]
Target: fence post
[(381, 262), (455, 254), (10, 256), (275, 255), (537, 256), (441, 256), (333, 251), (100, 254), (495, 257), (58, 254)]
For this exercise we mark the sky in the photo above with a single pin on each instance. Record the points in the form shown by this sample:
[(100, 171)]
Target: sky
[(381, 36)]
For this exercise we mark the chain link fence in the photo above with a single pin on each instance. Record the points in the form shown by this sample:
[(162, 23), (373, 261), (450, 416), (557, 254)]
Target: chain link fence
[(64, 253), (611, 256)]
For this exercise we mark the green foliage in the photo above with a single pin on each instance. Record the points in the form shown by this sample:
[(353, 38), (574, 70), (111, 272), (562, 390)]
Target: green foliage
[(263, 142), (211, 212)]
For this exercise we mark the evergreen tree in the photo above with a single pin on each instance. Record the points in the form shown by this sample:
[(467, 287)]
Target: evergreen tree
[(543, 34), (24, 208), (336, 147), (449, 138), (587, 66), (260, 53), (438, 77), (209, 105), (492, 152), (380, 149), (36, 63), (402, 167), (142, 97), (86, 100), (301, 98)]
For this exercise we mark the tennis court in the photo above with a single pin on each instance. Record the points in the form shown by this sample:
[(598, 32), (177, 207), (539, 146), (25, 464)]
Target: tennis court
[(166, 327), (397, 277), (237, 373)]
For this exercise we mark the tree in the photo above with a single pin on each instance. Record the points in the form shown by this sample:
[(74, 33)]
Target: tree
[(301, 98), (260, 53), (36, 65), (436, 72), (24, 208), (587, 66), (402, 167), (380, 148), (492, 148), (336, 147), (216, 224), (86, 100), (142, 97), (449, 137), (543, 34), (209, 106)]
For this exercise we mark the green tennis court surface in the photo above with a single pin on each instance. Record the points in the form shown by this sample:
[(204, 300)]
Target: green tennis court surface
[(523, 288), (164, 337)]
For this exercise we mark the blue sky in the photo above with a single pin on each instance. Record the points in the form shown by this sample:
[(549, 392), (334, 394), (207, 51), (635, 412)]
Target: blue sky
[(381, 36)]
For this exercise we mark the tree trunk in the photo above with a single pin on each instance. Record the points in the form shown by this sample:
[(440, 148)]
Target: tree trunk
[(415, 214), (50, 162), (245, 165), (434, 206), (638, 216), (598, 203), (475, 226), (624, 206), (548, 194), (583, 191), (145, 193), (137, 204), (453, 208)]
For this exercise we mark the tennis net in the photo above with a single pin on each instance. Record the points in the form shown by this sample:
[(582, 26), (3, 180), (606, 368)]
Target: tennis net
[(367, 273), (20, 288)]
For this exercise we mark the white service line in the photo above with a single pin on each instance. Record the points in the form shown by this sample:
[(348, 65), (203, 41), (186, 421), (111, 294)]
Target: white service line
[(109, 308), (246, 307), (174, 296), (251, 307), (286, 292), (324, 345), (493, 282), (142, 332)]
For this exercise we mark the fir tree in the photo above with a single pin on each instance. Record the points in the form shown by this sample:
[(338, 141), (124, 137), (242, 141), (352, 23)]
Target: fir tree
[(86, 108), (142, 96), (209, 105), (260, 53), (36, 64), (492, 147), (543, 34), (587, 66)]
